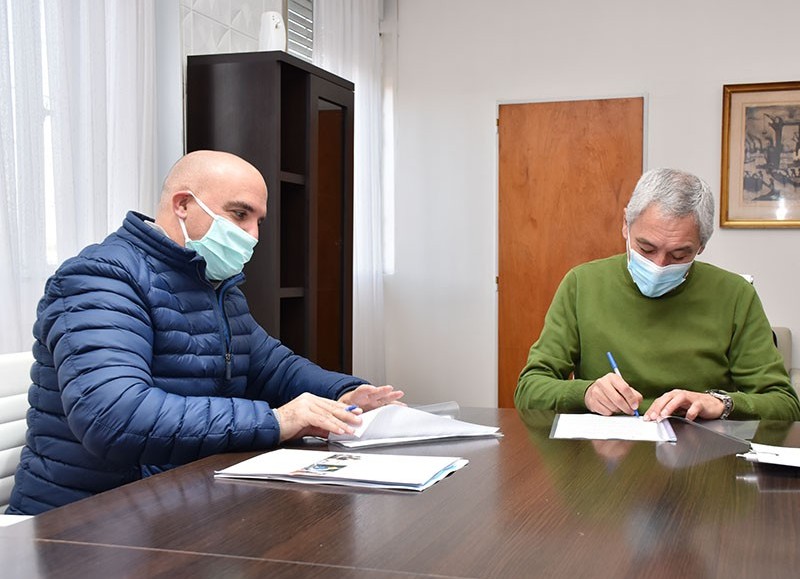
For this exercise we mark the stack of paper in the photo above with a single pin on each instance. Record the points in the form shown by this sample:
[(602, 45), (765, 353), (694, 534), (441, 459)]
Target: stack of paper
[(765, 453), (384, 471), (594, 427), (395, 424)]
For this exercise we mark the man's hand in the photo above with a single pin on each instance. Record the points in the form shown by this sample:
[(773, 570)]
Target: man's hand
[(368, 397), (611, 395), (696, 405), (309, 415)]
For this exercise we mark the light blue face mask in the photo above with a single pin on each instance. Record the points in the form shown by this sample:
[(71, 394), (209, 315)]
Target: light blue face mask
[(225, 247), (655, 280)]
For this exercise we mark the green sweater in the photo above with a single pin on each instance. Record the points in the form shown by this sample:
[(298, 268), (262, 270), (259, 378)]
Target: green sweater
[(709, 332)]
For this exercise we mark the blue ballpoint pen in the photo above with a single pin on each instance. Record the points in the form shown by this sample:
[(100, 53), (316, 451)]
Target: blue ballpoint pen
[(615, 368)]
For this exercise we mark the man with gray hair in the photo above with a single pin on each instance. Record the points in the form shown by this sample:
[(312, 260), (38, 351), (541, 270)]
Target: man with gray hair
[(690, 338)]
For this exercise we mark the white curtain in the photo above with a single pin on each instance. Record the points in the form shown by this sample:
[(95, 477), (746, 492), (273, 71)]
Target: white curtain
[(77, 102), (347, 43)]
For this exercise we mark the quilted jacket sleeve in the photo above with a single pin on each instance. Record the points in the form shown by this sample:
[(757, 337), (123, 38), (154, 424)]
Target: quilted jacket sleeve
[(278, 375)]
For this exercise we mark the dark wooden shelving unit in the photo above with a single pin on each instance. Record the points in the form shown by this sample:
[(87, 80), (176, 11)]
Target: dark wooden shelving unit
[(294, 122)]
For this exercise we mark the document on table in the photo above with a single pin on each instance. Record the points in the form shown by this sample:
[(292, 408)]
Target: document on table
[(765, 453), (395, 424), (383, 471), (595, 427)]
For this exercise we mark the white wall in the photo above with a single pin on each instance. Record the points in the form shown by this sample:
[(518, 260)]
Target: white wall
[(459, 58), (214, 26), (185, 27)]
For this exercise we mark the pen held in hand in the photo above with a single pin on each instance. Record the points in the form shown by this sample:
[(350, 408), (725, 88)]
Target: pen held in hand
[(615, 368)]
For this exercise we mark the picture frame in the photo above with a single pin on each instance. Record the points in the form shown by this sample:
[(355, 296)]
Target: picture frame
[(760, 185)]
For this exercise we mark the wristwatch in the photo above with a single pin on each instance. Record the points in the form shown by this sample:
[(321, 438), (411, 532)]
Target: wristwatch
[(725, 398)]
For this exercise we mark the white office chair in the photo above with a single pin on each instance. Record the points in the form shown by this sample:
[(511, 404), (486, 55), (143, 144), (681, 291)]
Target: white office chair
[(783, 339), (15, 379)]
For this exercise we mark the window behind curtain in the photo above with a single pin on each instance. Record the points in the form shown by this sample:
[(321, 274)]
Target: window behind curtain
[(76, 138)]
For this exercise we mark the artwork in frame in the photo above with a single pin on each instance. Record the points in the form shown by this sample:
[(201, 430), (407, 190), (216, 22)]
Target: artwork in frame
[(760, 184)]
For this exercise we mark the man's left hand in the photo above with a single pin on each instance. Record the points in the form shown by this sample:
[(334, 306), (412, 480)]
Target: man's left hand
[(368, 396), (695, 405)]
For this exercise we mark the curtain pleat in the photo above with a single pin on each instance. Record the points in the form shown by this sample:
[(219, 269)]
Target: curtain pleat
[(77, 138), (347, 43)]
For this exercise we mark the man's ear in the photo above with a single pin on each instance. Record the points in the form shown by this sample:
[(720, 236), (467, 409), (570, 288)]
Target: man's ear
[(180, 201), (624, 225)]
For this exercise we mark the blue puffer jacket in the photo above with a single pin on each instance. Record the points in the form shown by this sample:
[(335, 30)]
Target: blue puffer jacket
[(141, 364)]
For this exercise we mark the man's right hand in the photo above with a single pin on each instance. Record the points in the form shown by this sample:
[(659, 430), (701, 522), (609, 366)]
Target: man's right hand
[(611, 395), (309, 415)]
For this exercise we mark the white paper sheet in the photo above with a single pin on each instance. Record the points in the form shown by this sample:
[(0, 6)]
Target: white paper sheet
[(595, 427), (782, 455), (395, 424)]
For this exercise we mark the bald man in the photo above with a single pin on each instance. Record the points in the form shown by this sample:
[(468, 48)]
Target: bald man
[(147, 356)]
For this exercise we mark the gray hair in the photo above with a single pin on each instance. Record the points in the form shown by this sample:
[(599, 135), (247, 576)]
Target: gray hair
[(677, 194)]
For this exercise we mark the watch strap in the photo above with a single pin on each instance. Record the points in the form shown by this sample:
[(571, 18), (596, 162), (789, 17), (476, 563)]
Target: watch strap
[(726, 400)]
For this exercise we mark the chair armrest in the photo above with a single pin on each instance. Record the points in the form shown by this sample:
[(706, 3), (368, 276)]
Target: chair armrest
[(6, 520)]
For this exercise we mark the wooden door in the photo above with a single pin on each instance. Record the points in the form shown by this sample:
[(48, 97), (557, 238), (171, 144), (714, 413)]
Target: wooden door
[(566, 170)]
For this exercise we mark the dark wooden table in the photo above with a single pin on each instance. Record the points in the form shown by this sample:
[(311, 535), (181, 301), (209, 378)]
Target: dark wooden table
[(525, 506)]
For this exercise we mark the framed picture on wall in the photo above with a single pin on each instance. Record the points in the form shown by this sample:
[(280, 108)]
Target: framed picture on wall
[(760, 184)]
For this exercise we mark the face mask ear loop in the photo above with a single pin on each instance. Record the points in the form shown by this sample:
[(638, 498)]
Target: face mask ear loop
[(181, 222), (183, 228), (203, 206)]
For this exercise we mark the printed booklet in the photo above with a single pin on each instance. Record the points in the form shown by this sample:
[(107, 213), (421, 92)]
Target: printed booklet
[(383, 471)]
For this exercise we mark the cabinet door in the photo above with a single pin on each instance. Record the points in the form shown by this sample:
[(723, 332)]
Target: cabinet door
[(330, 257)]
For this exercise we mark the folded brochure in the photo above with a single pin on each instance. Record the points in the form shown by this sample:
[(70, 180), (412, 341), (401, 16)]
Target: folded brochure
[(383, 471), (397, 424)]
